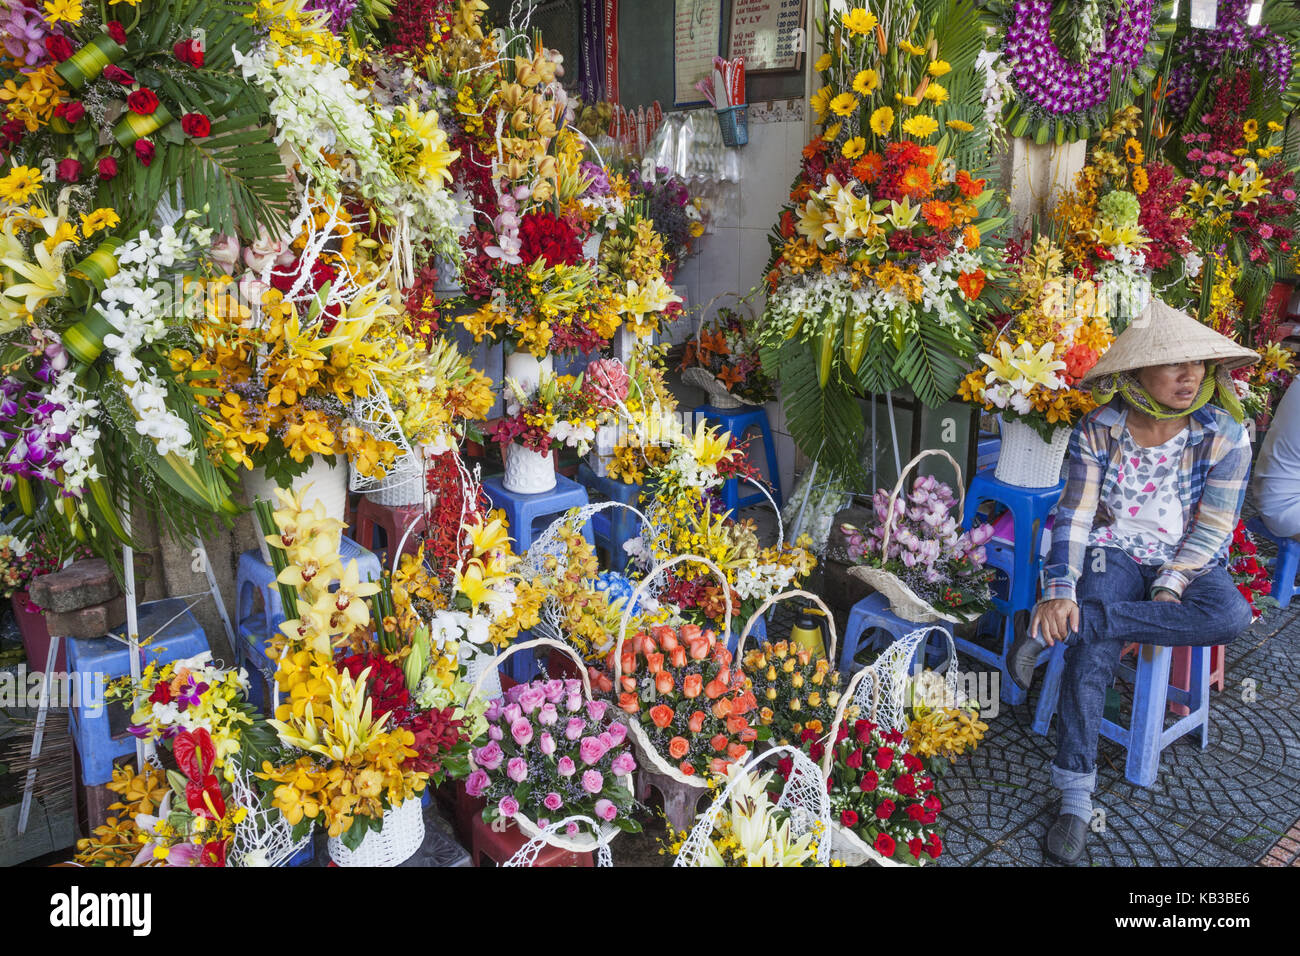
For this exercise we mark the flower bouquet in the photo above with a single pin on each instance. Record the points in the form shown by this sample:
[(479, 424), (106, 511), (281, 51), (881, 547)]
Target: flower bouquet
[(552, 752), (1249, 574), (1055, 335), (917, 556), (725, 361), (793, 691), (878, 265)]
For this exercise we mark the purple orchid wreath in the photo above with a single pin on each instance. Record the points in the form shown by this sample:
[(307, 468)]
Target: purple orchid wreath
[(1062, 95)]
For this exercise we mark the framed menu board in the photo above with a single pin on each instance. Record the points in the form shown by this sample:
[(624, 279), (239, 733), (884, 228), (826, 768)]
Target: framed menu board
[(768, 34), (697, 36)]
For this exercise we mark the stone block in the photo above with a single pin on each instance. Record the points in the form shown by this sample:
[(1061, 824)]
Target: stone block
[(81, 584), (87, 622)]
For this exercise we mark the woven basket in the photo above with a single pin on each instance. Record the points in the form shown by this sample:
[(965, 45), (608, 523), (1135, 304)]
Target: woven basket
[(794, 592), (1028, 461), (401, 835), (719, 395), (584, 842), (903, 601), (645, 749), (401, 490)]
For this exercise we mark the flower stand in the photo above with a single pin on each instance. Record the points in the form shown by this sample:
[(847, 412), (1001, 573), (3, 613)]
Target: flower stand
[(487, 842), (681, 801)]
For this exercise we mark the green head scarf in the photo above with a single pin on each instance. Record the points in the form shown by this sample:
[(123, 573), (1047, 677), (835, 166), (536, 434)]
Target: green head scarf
[(1216, 385)]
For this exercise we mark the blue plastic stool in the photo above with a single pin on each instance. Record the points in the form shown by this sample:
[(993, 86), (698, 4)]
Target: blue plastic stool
[(739, 421), (1146, 736), (872, 616), (523, 511), (254, 629), (1030, 508), (756, 633), (106, 658), (613, 526), (1284, 566), (987, 451)]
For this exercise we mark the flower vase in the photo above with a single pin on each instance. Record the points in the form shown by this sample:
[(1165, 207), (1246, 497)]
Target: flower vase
[(1028, 461), (35, 634), (526, 369), (329, 485), (395, 843), (602, 452), (528, 472)]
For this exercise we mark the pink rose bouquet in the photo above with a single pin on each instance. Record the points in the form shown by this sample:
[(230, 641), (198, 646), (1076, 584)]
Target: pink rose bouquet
[(552, 754)]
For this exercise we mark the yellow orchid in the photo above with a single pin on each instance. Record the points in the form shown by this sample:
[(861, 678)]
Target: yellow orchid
[(710, 445)]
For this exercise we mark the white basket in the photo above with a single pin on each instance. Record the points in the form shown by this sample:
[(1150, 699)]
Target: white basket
[(398, 839), (402, 493), (528, 472), (1028, 461), (852, 850)]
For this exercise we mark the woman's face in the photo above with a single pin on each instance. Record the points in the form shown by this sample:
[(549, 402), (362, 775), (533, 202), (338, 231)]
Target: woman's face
[(1174, 386)]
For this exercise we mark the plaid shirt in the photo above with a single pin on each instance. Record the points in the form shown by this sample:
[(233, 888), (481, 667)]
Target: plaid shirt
[(1211, 486)]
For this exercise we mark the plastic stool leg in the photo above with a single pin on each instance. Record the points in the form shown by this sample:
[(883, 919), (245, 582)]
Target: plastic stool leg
[(773, 467), (1284, 572), (1150, 692), (852, 636)]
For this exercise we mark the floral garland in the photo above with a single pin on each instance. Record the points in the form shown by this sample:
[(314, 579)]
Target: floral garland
[(1065, 98)]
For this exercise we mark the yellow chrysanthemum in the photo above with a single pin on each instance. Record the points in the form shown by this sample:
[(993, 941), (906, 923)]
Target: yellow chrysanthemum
[(882, 121), (936, 93), (844, 104), (860, 21), (866, 82), (823, 63), (920, 126)]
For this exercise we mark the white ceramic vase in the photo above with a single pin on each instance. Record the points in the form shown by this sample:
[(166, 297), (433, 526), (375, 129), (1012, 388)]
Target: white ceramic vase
[(528, 472), (526, 369)]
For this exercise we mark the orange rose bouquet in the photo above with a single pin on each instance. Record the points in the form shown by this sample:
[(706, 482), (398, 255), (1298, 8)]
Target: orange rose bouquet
[(691, 705)]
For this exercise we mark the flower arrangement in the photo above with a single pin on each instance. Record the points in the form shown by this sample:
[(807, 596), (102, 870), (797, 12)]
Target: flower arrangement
[(940, 729), (27, 556), (550, 754), (728, 350), (751, 831), (564, 410), (690, 703), (1248, 573), (793, 691), (941, 564), (880, 791), (878, 263), (677, 217), (1056, 333)]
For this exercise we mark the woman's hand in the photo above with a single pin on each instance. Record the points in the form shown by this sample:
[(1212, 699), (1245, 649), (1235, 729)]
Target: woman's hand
[(1164, 594), (1054, 620)]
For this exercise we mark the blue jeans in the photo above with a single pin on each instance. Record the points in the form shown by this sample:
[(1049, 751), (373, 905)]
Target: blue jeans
[(1114, 611)]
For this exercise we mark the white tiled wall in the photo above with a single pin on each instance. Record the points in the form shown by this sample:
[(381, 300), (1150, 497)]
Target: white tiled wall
[(732, 256)]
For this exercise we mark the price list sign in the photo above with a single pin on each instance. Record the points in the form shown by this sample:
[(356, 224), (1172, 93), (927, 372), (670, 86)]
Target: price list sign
[(768, 34)]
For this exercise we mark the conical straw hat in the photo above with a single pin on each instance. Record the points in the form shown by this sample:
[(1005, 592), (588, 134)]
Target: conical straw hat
[(1162, 335)]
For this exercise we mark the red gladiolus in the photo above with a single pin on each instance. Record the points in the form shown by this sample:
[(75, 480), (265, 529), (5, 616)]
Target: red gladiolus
[(849, 818), (144, 151), (143, 101), (196, 125), (107, 168)]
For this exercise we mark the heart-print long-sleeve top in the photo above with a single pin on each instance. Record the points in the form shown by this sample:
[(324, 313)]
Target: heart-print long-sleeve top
[(1208, 474)]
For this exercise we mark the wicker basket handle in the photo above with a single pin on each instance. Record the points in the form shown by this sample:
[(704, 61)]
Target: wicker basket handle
[(477, 689), (842, 707), (742, 300), (640, 592), (793, 592), (898, 487)]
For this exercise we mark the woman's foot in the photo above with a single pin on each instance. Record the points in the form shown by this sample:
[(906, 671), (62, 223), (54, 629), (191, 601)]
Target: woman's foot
[(1066, 839), (1023, 656)]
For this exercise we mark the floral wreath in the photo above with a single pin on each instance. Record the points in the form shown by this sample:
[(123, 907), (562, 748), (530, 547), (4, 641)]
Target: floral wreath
[(1065, 99)]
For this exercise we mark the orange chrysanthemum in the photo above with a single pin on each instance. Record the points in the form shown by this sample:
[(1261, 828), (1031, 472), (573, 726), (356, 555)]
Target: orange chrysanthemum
[(938, 214)]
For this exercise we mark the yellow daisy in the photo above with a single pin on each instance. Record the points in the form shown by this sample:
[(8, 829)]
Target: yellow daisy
[(920, 126), (854, 148), (844, 104), (866, 82), (882, 121)]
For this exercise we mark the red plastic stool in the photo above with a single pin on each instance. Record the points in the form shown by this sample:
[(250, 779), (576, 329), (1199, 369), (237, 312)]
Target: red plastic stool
[(500, 845), (393, 521), (1180, 671)]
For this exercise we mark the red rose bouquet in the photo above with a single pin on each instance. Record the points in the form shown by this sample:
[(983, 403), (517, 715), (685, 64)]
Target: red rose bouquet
[(1249, 573)]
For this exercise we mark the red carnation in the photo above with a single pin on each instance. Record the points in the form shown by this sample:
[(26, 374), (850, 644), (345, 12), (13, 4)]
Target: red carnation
[(784, 767), (885, 810), (884, 758), (885, 845), (849, 818), (189, 52), (543, 236), (58, 47), (116, 31), (196, 125), (143, 101), (118, 75), (71, 112), (144, 151), (68, 170), (107, 168)]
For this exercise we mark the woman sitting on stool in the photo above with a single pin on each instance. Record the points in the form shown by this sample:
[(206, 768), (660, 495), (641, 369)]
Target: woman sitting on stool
[(1155, 482)]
